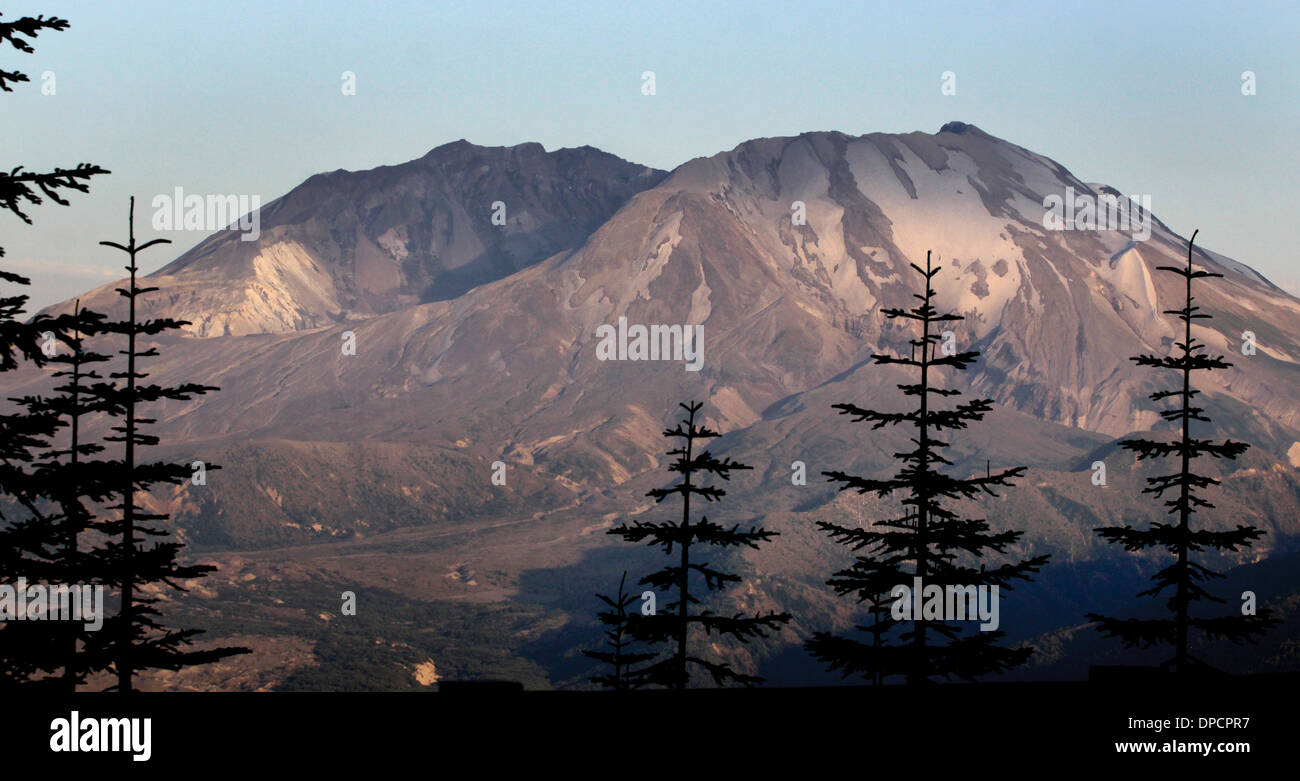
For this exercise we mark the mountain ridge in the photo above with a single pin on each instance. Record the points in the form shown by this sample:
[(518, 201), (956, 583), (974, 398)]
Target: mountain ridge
[(346, 245), (389, 450)]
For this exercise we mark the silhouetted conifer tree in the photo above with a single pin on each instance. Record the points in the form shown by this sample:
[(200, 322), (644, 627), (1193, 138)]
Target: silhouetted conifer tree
[(1184, 576), (19, 187), (672, 626), (618, 656), (30, 534), (137, 640), (929, 541), (69, 480)]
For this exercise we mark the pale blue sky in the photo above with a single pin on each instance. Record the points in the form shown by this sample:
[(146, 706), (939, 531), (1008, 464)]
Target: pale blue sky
[(241, 97)]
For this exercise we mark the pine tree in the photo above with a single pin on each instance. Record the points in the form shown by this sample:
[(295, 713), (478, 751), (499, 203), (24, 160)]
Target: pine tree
[(1184, 576), (138, 641), (29, 530), (672, 626), (928, 541), (618, 656), (24, 341), (68, 479), (19, 189)]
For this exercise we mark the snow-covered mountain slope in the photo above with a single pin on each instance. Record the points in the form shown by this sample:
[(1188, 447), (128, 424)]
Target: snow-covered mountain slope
[(790, 310)]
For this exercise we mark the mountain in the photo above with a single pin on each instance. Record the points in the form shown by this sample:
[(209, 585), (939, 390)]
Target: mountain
[(477, 344), (348, 245)]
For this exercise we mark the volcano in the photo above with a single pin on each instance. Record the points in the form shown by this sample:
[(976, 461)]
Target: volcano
[(475, 283)]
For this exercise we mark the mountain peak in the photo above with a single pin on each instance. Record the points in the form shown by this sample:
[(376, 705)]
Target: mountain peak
[(459, 143), (462, 147), (961, 128), (349, 245)]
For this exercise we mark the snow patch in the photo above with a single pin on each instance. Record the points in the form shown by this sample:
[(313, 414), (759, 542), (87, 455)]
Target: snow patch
[(665, 240), (947, 216)]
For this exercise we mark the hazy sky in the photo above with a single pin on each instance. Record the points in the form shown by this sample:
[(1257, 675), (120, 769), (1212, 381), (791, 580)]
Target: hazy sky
[(245, 98)]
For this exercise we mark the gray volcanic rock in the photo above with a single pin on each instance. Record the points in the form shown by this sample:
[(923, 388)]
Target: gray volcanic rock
[(789, 311), (447, 379), (353, 244)]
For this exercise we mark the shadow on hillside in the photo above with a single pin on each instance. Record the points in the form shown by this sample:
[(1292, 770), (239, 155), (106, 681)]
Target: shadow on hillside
[(1048, 611), (571, 591)]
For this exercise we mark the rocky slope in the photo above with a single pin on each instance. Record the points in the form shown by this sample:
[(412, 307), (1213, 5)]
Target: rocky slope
[(348, 245), (321, 446)]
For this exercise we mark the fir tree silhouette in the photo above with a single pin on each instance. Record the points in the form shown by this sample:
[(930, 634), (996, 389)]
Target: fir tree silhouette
[(137, 640), (1184, 576), (618, 656), (30, 532), (929, 540), (672, 627), (19, 187), (69, 479)]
